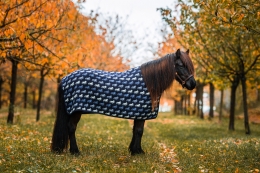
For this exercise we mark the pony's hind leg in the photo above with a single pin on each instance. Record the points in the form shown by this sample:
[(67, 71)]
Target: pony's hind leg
[(72, 125), (135, 145)]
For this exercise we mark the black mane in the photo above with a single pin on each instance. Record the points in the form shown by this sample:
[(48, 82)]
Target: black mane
[(158, 76)]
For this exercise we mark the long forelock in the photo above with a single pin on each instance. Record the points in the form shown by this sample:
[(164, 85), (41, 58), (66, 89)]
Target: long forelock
[(187, 63)]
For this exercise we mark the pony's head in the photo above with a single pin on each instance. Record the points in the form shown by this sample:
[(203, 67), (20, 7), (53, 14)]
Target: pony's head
[(159, 74), (184, 70)]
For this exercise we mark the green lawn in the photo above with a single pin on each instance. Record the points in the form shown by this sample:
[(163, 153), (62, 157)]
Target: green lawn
[(172, 144)]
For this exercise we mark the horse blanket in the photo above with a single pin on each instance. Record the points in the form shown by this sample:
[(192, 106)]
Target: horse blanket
[(117, 94)]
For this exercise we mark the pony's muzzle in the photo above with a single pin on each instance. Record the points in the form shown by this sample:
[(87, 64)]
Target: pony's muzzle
[(190, 84)]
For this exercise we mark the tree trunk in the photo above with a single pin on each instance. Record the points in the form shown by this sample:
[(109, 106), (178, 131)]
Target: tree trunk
[(211, 100), (258, 95), (40, 91), (34, 99), (1, 88), (25, 93), (188, 104), (10, 117), (181, 105), (177, 107), (40, 95), (200, 100), (233, 102), (246, 118), (185, 104), (195, 103), (221, 105), (197, 98)]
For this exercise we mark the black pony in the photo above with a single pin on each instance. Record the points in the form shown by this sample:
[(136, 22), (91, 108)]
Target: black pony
[(133, 94)]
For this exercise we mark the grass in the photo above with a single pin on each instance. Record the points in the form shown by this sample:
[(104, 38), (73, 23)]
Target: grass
[(172, 144), (207, 146)]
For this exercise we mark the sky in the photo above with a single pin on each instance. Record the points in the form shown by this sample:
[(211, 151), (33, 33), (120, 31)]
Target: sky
[(143, 20)]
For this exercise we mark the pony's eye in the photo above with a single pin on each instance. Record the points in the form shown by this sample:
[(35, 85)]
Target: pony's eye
[(179, 63)]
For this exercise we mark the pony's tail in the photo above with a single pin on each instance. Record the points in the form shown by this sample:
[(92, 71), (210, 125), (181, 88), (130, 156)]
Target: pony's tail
[(60, 135)]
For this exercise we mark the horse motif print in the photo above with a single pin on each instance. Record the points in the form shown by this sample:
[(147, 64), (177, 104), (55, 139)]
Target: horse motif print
[(117, 94)]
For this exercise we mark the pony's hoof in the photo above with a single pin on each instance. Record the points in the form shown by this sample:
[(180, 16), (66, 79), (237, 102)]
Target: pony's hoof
[(75, 152), (137, 152), (57, 151)]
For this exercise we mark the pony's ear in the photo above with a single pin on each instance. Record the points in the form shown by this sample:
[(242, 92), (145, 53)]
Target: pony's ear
[(188, 51), (178, 53)]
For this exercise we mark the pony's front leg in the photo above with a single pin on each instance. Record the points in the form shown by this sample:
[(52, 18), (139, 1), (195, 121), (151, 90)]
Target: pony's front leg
[(73, 121), (135, 145)]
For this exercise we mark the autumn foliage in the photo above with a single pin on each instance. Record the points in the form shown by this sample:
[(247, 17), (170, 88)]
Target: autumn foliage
[(224, 38), (51, 38)]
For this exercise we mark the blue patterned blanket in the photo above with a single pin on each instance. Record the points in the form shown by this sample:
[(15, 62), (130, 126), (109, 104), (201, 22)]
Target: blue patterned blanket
[(117, 94)]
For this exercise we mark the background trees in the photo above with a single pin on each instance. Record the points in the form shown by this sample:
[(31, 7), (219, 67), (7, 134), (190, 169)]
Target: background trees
[(49, 38), (225, 41), (41, 41)]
